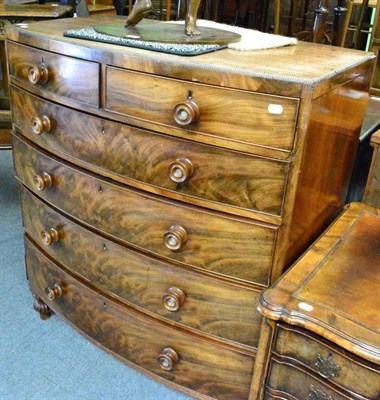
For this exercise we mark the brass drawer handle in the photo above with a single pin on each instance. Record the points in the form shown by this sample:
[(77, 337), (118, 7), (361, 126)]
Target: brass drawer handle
[(43, 181), (326, 368), (54, 292), (41, 125), (38, 74), (187, 112), (168, 358), (173, 298), (49, 236), (175, 237), (181, 170), (318, 394)]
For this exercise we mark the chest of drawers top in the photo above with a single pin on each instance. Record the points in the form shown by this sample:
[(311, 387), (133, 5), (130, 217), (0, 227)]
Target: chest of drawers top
[(333, 290)]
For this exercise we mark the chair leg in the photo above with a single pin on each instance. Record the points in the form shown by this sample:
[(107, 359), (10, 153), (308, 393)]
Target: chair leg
[(340, 12), (319, 24)]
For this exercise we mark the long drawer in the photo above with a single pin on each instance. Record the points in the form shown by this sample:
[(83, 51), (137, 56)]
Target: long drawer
[(66, 77), (295, 383), (203, 303), (213, 113), (192, 236), (136, 156), (171, 354), (329, 362)]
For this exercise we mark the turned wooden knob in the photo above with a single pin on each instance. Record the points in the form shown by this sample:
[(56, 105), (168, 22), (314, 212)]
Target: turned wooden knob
[(38, 74), (168, 358), (50, 236), (41, 125), (181, 170), (175, 237), (186, 113), (173, 298), (54, 292), (43, 181)]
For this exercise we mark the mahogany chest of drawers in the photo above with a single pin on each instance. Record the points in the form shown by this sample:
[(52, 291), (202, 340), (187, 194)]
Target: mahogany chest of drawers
[(161, 194), (320, 338)]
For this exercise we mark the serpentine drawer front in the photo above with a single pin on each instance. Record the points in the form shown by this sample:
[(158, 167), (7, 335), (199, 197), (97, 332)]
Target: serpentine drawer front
[(320, 337), (328, 361), (162, 194)]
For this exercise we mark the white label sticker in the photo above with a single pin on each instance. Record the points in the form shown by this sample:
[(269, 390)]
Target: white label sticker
[(305, 306), (275, 109)]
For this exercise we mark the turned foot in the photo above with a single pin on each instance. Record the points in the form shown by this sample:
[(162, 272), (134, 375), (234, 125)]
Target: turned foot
[(42, 308), (139, 10)]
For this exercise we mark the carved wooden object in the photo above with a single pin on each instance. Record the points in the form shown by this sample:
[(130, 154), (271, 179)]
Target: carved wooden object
[(320, 336), (161, 194)]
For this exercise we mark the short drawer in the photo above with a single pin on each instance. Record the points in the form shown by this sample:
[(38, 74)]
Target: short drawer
[(60, 75), (202, 366), (234, 115), (188, 298), (183, 168), (328, 361), (295, 383), (192, 236)]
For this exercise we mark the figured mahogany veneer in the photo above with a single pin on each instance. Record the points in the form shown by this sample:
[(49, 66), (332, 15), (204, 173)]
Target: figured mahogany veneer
[(144, 281), (161, 194), (203, 366), (217, 174)]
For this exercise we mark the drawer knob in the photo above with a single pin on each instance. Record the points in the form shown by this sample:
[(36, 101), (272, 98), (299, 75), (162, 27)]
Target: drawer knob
[(54, 292), (49, 237), (173, 298), (326, 368), (181, 170), (41, 125), (168, 358), (318, 394), (38, 74), (186, 112), (175, 237), (43, 181)]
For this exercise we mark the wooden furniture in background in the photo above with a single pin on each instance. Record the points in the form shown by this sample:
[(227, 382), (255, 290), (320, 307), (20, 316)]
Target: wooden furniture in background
[(161, 194), (320, 336), (10, 14), (372, 190)]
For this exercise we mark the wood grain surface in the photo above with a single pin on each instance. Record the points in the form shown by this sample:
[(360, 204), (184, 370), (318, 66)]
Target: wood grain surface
[(128, 155), (150, 97), (334, 279), (225, 246), (67, 76), (215, 307), (303, 349), (295, 383), (203, 366)]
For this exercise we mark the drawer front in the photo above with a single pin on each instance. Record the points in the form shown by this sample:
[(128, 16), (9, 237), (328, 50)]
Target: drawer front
[(202, 366), (60, 75), (328, 361), (296, 383), (203, 303), (131, 154), (234, 115), (188, 235)]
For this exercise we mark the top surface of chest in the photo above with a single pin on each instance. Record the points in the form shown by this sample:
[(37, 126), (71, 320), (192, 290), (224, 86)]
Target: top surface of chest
[(333, 290), (285, 70)]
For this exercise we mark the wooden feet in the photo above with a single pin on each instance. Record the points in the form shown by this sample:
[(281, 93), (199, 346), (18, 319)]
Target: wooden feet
[(42, 308)]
